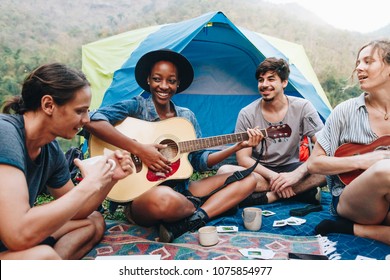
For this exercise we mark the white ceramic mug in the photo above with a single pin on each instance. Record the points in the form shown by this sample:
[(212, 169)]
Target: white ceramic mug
[(208, 236), (93, 160), (252, 218)]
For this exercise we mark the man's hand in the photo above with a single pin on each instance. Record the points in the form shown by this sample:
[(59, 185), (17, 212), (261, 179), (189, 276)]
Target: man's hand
[(286, 193), (255, 137), (283, 180)]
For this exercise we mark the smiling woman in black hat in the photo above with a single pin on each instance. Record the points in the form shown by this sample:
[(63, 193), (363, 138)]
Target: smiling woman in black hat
[(176, 205)]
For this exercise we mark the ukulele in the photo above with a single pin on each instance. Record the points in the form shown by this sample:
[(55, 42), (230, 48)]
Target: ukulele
[(352, 149)]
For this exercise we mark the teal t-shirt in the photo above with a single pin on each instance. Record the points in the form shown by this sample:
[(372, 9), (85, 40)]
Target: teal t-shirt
[(49, 169)]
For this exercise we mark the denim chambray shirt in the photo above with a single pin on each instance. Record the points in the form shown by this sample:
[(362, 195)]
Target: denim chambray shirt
[(141, 108)]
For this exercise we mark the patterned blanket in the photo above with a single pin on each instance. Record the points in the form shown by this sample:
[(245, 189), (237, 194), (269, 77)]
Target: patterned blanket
[(125, 239)]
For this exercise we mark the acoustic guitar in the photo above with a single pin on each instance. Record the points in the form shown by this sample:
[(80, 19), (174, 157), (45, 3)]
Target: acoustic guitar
[(180, 137), (353, 149)]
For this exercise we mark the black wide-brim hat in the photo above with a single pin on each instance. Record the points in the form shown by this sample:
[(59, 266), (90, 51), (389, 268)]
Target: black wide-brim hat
[(146, 62)]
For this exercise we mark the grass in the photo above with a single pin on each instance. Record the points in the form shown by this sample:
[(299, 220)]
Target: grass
[(118, 215), (43, 198)]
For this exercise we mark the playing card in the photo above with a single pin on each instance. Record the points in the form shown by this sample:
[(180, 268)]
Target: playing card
[(227, 229), (256, 253), (280, 223), (294, 221), (267, 213)]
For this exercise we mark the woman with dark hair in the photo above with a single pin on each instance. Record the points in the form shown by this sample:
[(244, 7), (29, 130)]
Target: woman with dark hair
[(54, 103), (177, 206), (353, 151)]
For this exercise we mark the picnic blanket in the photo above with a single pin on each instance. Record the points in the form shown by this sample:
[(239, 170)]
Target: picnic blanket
[(125, 239)]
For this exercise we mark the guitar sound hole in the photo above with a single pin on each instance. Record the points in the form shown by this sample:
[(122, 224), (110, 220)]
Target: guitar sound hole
[(171, 150)]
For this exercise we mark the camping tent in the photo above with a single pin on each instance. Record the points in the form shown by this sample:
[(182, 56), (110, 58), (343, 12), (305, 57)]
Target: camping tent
[(224, 58)]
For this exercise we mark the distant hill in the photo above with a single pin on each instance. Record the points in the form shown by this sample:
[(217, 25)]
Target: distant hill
[(38, 31), (382, 33)]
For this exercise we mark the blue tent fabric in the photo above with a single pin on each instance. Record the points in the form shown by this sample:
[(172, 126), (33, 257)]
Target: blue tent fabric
[(224, 58)]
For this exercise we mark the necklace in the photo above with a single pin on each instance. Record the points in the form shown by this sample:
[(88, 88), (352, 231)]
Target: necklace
[(385, 115)]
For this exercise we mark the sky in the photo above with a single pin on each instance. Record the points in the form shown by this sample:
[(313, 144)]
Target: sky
[(357, 15)]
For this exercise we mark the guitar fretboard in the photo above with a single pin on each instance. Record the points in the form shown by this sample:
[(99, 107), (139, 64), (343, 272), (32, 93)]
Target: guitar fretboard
[(208, 142)]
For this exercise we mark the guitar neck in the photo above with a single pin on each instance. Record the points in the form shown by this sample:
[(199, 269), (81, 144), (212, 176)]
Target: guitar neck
[(208, 142)]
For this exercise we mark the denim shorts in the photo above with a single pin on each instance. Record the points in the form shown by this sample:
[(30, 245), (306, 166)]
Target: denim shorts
[(333, 205)]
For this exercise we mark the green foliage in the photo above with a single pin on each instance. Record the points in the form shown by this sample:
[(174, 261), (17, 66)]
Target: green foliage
[(43, 198), (118, 215), (67, 144), (200, 175), (14, 68), (338, 90)]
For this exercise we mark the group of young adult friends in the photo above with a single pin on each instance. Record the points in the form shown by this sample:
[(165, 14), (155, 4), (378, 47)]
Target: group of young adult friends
[(55, 101)]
